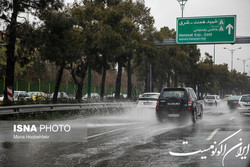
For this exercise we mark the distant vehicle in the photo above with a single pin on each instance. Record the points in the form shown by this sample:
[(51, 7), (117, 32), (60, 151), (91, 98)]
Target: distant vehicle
[(60, 95), (232, 102), (148, 100), (212, 100), (227, 96), (121, 95), (244, 104), (36, 96), (21, 96), (180, 103), (113, 95), (1, 99), (92, 96)]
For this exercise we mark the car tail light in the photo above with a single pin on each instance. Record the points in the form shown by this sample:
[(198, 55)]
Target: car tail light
[(157, 104), (239, 105), (137, 101), (189, 102)]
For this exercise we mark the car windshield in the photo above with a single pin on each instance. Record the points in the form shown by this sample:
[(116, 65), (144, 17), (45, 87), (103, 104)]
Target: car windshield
[(150, 96), (15, 94), (34, 94), (210, 97), (173, 93), (245, 99), (234, 98)]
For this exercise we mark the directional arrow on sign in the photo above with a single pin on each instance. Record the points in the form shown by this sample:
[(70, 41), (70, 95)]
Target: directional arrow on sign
[(229, 26)]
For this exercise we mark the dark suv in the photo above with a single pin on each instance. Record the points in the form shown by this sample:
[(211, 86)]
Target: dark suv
[(178, 103)]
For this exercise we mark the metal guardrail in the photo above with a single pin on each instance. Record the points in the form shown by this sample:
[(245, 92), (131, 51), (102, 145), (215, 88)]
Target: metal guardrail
[(18, 109)]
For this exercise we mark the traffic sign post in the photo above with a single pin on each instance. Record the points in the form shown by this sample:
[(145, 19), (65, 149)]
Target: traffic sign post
[(10, 93), (205, 30)]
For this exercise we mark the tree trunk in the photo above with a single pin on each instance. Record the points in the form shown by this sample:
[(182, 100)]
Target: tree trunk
[(161, 84), (10, 52), (79, 83), (58, 82), (129, 91), (176, 80), (118, 81), (10, 70), (147, 81), (104, 70), (79, 90), (168, 80)]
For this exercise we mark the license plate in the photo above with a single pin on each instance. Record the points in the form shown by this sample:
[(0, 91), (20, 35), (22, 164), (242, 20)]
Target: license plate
[(147, 103), (174, 115), (174, 104)]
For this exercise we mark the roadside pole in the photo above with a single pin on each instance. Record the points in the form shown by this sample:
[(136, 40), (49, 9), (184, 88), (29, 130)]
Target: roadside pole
[(89, 82)]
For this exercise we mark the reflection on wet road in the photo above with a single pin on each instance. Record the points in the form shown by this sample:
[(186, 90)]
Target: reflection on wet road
[(135, 138)]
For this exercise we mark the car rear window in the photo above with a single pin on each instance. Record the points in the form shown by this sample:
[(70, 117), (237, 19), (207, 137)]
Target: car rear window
[(150, 96), (210, 97), (234, 98), (173, 93), (245, 99)]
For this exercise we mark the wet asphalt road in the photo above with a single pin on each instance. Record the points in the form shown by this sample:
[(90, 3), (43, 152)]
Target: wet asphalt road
[(135, 138)]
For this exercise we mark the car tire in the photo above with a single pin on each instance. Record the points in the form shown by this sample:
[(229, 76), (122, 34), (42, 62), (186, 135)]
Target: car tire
[(201, 114), (194, 116), (159, 118)]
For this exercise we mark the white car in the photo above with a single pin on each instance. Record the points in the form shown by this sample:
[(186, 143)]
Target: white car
[(60, 95), (148, 100), (244, 104), (92, 96), (21, 95), (212, 100)]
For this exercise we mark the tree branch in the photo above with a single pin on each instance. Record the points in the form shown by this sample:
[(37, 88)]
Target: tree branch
[(73, 75), (5, 18), (22, 17)]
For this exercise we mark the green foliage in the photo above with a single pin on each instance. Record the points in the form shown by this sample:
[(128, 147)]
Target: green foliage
[(58, 39)]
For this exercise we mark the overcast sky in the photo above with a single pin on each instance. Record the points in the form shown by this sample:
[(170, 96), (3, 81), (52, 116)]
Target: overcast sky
[(165, 13)]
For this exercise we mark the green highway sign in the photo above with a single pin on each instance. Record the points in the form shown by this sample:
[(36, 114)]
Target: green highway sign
[(205, 30)]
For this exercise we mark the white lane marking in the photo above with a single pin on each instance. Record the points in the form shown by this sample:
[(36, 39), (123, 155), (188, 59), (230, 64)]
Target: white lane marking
[(213, 134), (104, 133), (112, 124), (231, 118)]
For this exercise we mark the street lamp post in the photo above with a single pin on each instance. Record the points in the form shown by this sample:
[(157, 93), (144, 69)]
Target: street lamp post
[(232, 54), (182, 4), (244, 63)]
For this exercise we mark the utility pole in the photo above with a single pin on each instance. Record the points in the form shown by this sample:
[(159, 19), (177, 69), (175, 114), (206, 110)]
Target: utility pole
[(89, 75), (182, 5), (244, 63), (232, 54), (214, 53)]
